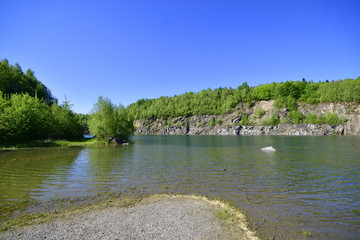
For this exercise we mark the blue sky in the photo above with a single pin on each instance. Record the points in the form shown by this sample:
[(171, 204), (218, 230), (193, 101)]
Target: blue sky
[(128, 50)]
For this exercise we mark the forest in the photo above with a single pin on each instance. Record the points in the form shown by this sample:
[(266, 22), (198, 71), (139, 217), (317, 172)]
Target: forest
[(223, 100), (28, 110)]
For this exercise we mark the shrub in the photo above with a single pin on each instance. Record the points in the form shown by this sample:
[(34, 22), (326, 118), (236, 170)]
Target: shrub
[(271, 121), (245, 120), (333, 119), (259, 112), (311, 118), (296, 117)]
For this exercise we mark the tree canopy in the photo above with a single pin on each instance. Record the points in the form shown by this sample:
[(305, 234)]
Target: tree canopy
[(13, 80), (108, 121), (24, 118), (222, 100), (28, 111)]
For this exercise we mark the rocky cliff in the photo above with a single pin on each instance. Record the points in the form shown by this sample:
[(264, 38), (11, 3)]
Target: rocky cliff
[(245, 120)]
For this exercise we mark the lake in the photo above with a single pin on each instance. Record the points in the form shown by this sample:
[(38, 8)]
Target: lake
[(309, 186)]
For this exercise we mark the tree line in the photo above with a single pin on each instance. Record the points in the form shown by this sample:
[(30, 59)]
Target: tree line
[(14, 81), (223, 100), (28, 111)]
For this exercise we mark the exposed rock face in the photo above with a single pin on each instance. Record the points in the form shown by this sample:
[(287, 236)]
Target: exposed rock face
[(230, 124)]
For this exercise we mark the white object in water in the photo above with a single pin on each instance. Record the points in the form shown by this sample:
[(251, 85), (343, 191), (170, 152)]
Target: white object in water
[(268, 149)]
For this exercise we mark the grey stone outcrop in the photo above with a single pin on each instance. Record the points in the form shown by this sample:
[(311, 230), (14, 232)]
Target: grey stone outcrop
[(231, 124)]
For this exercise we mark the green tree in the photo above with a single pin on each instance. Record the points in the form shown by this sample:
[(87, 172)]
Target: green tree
[(108, 121), (13, 80), (24, 118), (65, 124)]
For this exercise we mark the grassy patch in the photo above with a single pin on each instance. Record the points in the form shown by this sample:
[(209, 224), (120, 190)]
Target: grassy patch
[(259, 112), (223, 214), (50, 143)]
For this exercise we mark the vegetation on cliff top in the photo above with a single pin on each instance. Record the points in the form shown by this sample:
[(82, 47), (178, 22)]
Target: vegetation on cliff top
[(222, 100)]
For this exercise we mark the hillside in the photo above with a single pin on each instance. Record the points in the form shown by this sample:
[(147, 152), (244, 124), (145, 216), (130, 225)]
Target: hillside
[(223, 100), (290, 108), (262, 119)]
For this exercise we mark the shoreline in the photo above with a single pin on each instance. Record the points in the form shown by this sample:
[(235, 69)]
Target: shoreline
[(150, 217), (50, 143)]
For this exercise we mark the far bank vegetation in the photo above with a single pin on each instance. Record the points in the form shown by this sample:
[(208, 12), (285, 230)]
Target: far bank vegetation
[(288, 100)]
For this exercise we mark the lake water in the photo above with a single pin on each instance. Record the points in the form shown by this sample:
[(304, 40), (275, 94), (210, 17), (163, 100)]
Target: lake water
[(310, 185)]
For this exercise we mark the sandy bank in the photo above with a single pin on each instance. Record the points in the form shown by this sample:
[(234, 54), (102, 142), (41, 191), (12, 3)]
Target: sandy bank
[(156, 217)]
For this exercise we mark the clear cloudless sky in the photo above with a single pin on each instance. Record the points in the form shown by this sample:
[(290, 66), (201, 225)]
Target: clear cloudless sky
[(127, 50)]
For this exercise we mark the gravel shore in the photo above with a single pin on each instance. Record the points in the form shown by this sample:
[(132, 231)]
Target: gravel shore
[(156, 217)]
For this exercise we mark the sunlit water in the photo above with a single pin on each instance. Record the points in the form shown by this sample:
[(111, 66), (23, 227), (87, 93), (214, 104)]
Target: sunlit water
[(310, 185)]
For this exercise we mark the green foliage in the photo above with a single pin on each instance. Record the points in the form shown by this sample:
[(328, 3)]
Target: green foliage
[(212, 123), (223, 100), (296, 117), (272, 121), (108, 121), (66, 124), (83, 120), (219, 121), (223, 214), (264, 92), (245, 120), (25, 118), (206, 102), (13, 80), (333, 119), (285, 102), (311, 118), (259, 112)]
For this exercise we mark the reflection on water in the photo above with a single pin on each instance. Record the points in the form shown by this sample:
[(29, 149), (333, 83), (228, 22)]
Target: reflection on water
[(309, 184)]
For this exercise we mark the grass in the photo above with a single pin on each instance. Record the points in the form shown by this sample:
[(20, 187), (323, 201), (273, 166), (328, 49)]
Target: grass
[(50, 143), (223, 214)]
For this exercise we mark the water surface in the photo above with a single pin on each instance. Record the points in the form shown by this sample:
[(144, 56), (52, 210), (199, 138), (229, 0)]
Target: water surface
[(309, 185)]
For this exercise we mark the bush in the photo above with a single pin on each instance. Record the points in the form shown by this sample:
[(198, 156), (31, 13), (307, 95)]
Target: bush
[(311, 118), (296, 117), (219, 121), (333, 119), (272, 121), (245, 120), (259, 112)]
